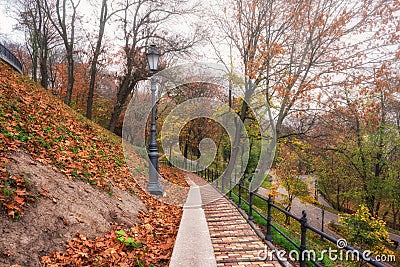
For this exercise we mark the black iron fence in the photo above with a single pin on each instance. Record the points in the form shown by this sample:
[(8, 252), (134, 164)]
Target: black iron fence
[(244, 195), (183, 164), (9, 57)]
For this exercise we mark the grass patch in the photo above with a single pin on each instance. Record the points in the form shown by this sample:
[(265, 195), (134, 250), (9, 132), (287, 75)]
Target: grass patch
[(266, 183)]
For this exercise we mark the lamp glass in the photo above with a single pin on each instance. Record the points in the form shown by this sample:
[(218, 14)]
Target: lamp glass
[(152, 58)]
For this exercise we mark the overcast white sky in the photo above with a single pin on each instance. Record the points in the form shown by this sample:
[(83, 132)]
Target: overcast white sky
[(6, 24), (7, 33)]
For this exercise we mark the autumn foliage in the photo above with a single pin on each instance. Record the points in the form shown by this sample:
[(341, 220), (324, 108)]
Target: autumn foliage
[(32, 119), (13, 193), (366, 231), (173, 175)]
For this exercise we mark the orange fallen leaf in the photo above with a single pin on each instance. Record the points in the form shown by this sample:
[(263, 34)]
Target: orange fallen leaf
[(11, 213), (45, 188), (21, 192), (19, 200)]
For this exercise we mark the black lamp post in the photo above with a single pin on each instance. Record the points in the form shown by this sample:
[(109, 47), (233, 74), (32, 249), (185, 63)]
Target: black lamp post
[(153, 187), (316, 189), (170, 153)]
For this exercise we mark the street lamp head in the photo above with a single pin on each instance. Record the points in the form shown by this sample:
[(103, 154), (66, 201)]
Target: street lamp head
[(152, 58)]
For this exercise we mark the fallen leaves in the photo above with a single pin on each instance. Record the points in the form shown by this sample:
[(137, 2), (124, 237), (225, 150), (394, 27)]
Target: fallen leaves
[(173, 175), (45, 188), (102, 251), (13, 194), (19, 200), (155, 233), (32, 119)]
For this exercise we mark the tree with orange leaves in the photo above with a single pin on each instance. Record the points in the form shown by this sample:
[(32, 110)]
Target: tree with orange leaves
[(294, 50), (141, 23), (62, 14)]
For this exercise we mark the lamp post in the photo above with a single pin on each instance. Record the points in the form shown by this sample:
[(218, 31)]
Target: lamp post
[(316, 189), (153, 187), (170, 153)]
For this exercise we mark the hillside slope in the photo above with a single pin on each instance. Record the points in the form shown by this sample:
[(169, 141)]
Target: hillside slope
[(66, 177)]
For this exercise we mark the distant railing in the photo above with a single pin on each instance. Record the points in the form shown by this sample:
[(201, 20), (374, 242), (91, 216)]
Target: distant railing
[(9, 57)]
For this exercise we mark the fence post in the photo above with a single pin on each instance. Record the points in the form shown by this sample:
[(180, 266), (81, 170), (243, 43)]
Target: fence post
[(251, 218), (230, 188), (322, 220), (303, 239), (217, 177), (222, 184), (240, 194), (268, 235)]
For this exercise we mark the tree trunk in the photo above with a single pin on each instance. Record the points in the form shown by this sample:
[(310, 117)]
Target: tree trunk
[(93, 68), (71, 78), (339, 208), (395, 213), (93, 73), (288, 209), (236, 142), (67, 34), (43, 41), (34, 58), (123, 92), (43, 68), (115, 115)]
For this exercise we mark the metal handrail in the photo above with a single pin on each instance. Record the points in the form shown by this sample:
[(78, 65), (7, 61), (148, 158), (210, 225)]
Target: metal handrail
[(302, 220), (9, 57)]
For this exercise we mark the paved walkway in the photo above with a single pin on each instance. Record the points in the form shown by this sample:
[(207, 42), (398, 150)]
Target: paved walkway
[(233, 240)]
